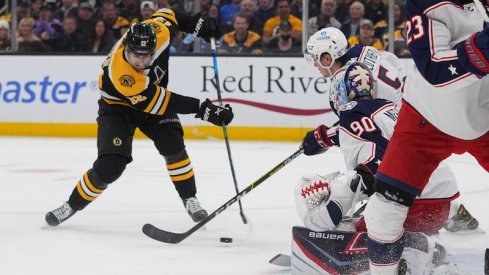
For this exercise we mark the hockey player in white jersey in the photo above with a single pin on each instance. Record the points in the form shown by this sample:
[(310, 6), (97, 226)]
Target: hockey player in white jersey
[(445, 111), (328, 50)]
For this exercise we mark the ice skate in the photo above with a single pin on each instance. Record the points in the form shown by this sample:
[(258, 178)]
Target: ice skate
[(196, 212), (461, 221), (60, 214)]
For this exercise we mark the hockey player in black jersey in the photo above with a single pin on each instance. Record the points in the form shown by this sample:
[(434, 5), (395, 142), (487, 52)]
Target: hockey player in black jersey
[(134, 94)]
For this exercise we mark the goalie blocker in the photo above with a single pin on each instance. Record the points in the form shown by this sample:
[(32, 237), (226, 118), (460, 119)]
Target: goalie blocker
[(339, 252)]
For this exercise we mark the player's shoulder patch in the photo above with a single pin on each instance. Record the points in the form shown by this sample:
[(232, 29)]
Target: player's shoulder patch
[(127, 80), (349, 106)]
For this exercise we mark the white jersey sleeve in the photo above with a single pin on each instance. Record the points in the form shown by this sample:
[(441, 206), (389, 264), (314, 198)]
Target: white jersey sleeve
[(451, 98)]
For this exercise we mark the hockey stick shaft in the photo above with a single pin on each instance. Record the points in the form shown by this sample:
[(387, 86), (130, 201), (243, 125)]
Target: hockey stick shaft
[(224, 129), (170, 237)]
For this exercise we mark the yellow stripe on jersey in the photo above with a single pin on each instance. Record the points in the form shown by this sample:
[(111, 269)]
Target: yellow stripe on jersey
[(108, 101), (183, 177), (165, 103), (179, 164), (153, 101)]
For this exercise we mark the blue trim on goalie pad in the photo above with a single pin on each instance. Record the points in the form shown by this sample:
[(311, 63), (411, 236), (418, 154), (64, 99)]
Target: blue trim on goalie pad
[(398, 184), (334, 211), (385, 253)]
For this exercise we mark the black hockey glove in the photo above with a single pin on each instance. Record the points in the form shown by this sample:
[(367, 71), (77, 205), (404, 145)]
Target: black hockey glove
[(207, 27), (215, 114)]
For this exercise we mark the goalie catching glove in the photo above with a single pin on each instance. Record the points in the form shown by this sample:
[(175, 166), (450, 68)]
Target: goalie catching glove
[(217, 115), (323, 201)]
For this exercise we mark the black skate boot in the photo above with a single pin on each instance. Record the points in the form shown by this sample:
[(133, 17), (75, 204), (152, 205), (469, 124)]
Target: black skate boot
[(461, 221), (60, 214), (196, 212)]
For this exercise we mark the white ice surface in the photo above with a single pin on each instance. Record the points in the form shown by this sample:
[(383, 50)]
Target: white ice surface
[(38, 174)]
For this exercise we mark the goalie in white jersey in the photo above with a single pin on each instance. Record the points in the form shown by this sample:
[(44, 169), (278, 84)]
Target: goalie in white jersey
[(445, 111)]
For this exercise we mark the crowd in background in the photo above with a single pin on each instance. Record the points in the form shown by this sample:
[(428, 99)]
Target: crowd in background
[(248, 26)]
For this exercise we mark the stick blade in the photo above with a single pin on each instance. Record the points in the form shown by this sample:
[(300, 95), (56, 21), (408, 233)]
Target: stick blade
[(161, 235), (281, 260)]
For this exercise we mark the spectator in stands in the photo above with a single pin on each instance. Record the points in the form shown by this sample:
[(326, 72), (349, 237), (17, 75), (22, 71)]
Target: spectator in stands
[(69, 40), (399, 21), (27, 41), (284, 43), (176, 5), (35, 9), (366, 36), (101, 40), (376, 11), (296, 7), (129, 9), (146, 10), (117, 24), (228, 11), (47, 26), (193, 44), (241, 40), (198, 6), (270, 29), (248, 8), (86, 19), (343, 10), (325, 18), (22, 12), (67, 9), (352, 25), (265, 10), (5, 42)]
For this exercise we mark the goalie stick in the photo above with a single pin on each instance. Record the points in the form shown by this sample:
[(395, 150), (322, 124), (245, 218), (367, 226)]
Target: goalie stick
[(170, 237), (224, 128)]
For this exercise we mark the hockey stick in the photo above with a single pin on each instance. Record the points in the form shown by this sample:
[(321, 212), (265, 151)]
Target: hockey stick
[(224, 129), (170, 237)]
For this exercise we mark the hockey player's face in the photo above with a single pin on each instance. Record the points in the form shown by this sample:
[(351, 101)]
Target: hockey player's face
[(325, 61), (139, 61)]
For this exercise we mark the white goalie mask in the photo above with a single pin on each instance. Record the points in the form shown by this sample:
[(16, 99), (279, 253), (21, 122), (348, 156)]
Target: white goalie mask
[(328, 40), (351, 82)]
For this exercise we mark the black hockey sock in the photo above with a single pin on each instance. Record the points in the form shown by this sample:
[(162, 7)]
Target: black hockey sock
[(88, 188), (182, 174)]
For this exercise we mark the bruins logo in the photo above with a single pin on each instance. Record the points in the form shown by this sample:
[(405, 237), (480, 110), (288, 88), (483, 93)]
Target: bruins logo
[(117, 141), (127, 80)]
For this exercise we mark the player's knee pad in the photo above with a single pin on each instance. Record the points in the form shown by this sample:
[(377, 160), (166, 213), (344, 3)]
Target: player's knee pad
[(394, 193), (110, 167), (384, 219)]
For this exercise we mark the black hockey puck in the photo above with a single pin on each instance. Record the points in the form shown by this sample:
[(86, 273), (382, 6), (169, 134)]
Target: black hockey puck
[(226, 240)]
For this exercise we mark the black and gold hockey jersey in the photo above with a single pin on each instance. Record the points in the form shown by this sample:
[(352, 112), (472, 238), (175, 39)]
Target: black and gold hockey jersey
[(145, 91)]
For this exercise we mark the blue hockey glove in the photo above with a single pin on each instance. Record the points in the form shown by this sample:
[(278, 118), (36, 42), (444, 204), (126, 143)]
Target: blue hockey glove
[(473, 54), (317, 141)]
